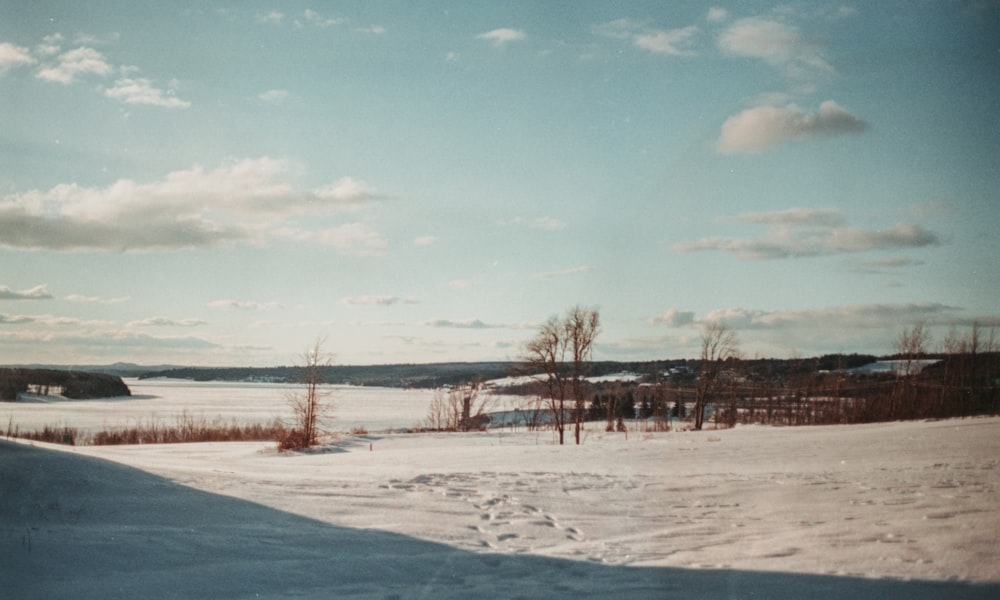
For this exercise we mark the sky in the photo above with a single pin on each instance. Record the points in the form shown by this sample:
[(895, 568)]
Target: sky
[(225, 183)]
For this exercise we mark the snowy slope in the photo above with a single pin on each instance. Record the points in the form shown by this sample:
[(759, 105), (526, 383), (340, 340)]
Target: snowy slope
[(907, 510)]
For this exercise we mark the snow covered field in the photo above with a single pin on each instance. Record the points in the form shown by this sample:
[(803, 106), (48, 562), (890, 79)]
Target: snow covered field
[(897, 510)]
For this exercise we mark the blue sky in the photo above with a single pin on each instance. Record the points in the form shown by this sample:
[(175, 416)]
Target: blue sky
[(219, 184)]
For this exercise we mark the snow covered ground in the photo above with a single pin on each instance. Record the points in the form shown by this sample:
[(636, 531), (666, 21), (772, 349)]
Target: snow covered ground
[(897, 510)]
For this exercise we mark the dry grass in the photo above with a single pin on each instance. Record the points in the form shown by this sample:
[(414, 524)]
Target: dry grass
[(185, 429)]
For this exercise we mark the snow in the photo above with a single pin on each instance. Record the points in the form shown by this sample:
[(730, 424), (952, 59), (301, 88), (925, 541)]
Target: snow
[(869, 511)]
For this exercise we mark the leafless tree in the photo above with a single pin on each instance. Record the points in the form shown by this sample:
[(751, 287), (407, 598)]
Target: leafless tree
[(719, 344), (557, 356), (911, 345), (581, 327), (309, 404)]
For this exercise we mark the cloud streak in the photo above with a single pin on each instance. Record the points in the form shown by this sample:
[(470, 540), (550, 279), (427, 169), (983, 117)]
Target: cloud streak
[(791, 243), (764, 127)]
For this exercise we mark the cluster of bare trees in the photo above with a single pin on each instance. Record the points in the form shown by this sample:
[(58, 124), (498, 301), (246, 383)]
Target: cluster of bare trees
[(461, 408), (558, 356)]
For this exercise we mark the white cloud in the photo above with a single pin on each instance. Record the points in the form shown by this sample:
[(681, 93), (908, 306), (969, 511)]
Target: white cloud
[(374, 30), (39, 292), (12, 56), (425, 240), (345, 191), (141, 91), (766, 126), (675, 42), (51, 45), (673, 318), (244, 305), (249, 199), (500, 37), (79, 61)]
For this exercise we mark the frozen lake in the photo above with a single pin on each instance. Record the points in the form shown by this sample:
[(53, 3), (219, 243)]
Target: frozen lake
[(163, 400)]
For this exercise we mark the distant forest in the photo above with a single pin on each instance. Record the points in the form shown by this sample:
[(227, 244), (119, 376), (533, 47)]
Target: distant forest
[(434, 375)]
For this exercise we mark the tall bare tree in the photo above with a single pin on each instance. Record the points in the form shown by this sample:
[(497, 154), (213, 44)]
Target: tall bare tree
[(557, 356), (581, 327), (719, 344), (911, 345), (308, 405)]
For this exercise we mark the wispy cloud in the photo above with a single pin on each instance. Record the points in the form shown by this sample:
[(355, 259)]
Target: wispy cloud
[(717, 14), (142, 91), (74, 63), (39, 292), (782, 45), (96, 299), (767, 126), (376, 300), (315, 19), (249, 199), (244, 305), (166, 322), (466, 324), (670, 42), (503, 36), (425, 240), (275, 96), (350, 239), (274, 17), (803, 232), (782, 242), (542, 223), (819, 217), (855, 316), (565, 272)]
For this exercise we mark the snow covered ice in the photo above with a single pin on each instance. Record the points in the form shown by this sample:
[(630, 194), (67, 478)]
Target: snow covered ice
[(894, 510)]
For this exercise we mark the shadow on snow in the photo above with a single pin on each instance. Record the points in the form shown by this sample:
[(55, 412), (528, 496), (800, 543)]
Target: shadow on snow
[(79, 527)]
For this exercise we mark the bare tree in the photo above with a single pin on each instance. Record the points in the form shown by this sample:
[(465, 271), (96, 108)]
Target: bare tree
[(581, 328), (911, 345), (557, 356), (308, 405), (719, 344), (545, 358)]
